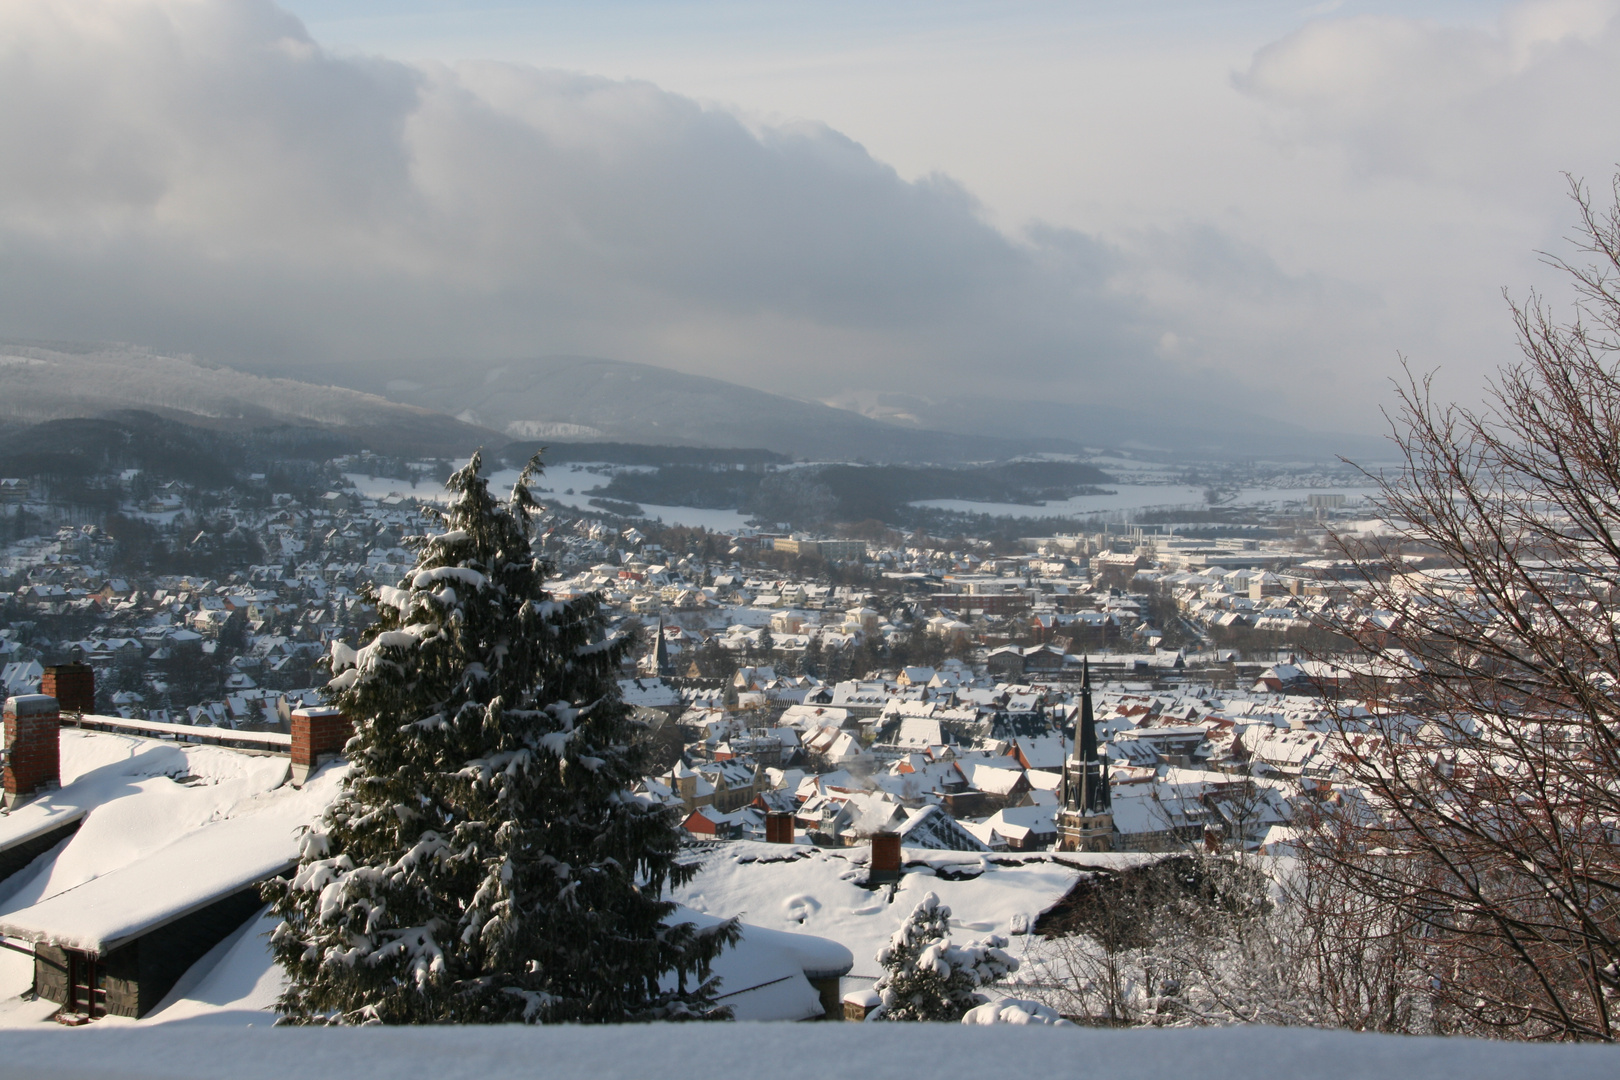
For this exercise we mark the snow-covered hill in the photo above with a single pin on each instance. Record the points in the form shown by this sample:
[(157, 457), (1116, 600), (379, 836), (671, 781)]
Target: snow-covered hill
[(573, 398), (51, 381)]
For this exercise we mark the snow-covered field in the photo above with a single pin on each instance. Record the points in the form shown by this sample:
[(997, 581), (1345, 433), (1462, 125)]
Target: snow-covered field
[(552, 491), (1130, 497), (559, 479), (780, 1052)]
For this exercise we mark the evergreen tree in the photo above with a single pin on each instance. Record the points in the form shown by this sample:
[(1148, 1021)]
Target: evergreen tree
[(925, 977), (486, 860)]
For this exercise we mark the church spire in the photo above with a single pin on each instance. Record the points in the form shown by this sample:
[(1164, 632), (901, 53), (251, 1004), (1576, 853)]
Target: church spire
[(1086, 821), (1086, 778), (1085, 729), (658, 662)]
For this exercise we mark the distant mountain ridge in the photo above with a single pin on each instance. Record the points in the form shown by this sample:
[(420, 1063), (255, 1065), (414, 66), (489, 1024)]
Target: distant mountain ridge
[(451, 407), (444, 408), (41, 381), (573, 398)]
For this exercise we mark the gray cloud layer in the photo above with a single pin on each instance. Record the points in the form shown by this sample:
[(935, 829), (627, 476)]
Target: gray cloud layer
[(200, 175), (204, 176)]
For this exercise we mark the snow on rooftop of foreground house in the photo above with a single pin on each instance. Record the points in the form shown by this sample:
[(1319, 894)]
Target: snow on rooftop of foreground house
[(783, 1051), (167, 829), (199, 867), (98, 767), (817, 891), (764, 977)]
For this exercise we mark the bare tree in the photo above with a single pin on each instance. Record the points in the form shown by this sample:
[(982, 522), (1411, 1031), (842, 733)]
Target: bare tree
[(1356, 952), (1188, 939), (1488, 844)]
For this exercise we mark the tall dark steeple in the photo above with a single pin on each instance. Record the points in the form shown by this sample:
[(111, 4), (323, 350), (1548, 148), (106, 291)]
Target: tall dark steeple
[(1086, 822), (1093, 797), (657, 662), (1085, 729)]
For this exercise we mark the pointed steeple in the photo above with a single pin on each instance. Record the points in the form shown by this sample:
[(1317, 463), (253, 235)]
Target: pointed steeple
[(1086, 822), (1085, 780), (1085, 729), (657, 662), (661, 663)]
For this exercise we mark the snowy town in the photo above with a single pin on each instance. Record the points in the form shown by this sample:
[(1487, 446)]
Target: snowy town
[(995, 722), (936, 696)]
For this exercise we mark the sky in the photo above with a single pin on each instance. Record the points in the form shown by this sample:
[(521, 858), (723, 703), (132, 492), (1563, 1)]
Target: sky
[(1190, 208)]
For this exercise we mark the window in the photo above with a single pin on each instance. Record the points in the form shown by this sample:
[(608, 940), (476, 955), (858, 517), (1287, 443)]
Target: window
[(86, 994)]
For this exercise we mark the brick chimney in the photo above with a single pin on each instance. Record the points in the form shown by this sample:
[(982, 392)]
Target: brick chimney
[(318, 735), (778, 827), (858, 1004), (72, 685), (33, 732), (885, 864)]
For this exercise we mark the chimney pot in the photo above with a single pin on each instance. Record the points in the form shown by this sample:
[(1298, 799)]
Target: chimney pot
[(885, 865), (33, 732), (778, 827), (318, 736), (72, 685)]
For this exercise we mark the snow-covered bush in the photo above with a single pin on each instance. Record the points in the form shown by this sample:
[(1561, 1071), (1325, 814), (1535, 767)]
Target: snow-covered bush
[(1014, 1011), (486, 860), (925, 977)]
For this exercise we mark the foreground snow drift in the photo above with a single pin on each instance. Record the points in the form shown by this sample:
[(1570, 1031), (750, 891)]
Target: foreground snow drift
[(782, 1051)]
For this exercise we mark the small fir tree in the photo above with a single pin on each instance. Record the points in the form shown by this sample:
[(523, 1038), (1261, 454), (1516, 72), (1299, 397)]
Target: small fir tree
[(486, 861), (925, 977)]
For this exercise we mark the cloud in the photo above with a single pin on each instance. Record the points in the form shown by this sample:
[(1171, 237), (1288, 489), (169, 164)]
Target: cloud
[(1495, 109), (202, 175)]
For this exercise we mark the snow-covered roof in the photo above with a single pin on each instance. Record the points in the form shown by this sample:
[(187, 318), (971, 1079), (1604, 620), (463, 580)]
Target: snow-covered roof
[(649, 693), (1017, 821), (817, 891), (167, 829), (991, 778), (918, 733)]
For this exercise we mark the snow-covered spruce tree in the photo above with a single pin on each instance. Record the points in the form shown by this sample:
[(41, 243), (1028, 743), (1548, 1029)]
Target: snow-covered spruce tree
[(925, 977), (486, 861)]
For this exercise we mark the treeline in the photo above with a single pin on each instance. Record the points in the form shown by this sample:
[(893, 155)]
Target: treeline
[(515, 455), (214, 548), (77, 461), (825, 494)]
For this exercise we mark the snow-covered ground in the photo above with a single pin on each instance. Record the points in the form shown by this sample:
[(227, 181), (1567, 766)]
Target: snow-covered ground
[(1131, 497), (781, 1052), (552, 491)]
